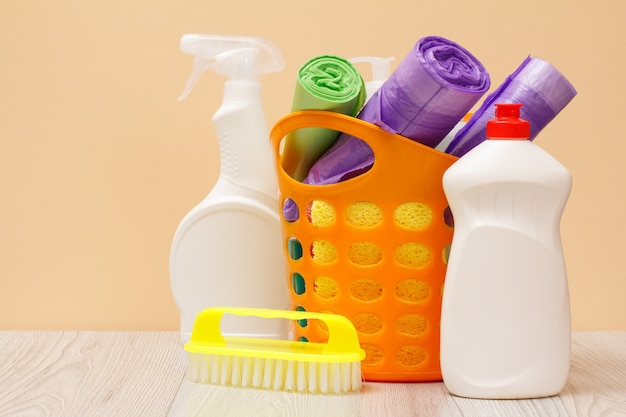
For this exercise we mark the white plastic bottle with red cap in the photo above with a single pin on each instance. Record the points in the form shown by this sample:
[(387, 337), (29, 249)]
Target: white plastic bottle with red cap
[(505, 319)]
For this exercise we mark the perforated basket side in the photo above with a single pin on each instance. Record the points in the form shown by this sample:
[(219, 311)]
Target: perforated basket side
[(373, 248)]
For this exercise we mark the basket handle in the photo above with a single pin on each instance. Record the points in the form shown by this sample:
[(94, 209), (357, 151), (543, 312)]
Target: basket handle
[(342, 336), (360, 129)]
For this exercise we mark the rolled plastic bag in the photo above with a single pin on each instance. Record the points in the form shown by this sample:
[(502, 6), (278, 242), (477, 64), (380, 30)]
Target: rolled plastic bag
[(430, 91), (538, 85), (325, 82)]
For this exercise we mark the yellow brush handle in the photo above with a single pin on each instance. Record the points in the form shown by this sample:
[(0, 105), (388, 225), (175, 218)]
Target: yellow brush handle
[(342, 336)]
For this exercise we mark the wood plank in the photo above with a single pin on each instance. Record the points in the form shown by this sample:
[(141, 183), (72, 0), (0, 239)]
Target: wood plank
[(596, 386), (139, 374), (89, 373)]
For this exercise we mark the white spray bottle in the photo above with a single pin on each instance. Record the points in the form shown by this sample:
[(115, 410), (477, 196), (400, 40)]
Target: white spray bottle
[(381, 70), (227, 251)]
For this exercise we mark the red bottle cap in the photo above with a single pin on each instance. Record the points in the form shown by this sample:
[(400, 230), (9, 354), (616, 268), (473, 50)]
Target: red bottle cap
[(507, 124)]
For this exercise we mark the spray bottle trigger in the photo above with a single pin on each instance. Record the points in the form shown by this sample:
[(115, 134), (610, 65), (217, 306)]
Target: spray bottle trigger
[(200, 65)]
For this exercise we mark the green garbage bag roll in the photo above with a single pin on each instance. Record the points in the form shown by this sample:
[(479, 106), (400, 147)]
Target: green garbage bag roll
[(326, 82)]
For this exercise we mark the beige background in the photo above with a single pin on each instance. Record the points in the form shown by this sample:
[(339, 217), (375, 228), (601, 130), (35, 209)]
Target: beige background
[(99, 162)]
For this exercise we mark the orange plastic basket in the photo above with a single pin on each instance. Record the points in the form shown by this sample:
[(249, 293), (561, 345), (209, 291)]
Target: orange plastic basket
[(373, 248)]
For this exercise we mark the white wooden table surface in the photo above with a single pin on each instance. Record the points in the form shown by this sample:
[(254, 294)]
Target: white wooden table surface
[(142, 374)]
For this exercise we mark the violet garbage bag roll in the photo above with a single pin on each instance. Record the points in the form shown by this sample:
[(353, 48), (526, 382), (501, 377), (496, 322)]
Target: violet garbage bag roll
[(433, 87), (538, 85)]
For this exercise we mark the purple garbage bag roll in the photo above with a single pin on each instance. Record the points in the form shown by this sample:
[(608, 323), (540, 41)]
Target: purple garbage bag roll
[(538, 85), (433, 87)]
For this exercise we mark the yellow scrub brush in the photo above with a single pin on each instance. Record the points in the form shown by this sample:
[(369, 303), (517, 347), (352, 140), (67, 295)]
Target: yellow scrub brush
[(327, 368)]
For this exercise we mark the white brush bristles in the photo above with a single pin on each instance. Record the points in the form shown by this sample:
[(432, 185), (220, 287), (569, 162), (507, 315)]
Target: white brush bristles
[(275, 374)]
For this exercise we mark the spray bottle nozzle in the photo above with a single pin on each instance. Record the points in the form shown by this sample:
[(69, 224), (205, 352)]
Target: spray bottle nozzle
[(236, 57), (381, 70)]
